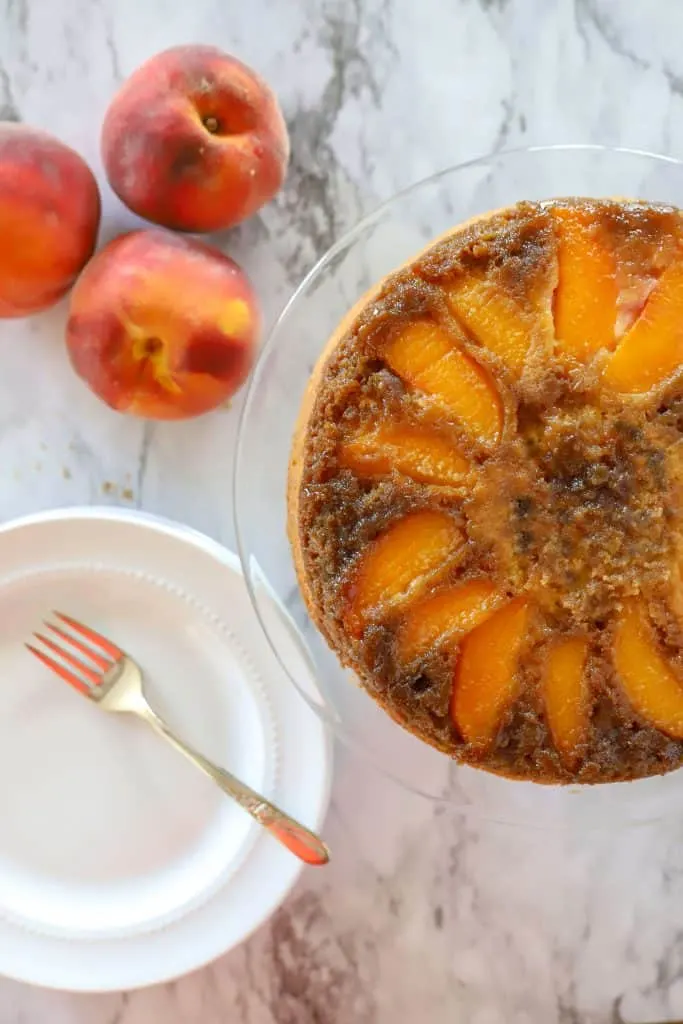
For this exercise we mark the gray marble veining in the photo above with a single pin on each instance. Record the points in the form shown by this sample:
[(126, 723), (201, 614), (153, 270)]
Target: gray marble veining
[(424, 915)]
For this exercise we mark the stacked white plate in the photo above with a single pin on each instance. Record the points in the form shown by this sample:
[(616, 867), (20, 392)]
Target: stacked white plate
[(120, 864)]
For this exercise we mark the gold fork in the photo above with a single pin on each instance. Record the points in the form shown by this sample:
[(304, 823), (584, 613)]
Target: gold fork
[(108, 676)]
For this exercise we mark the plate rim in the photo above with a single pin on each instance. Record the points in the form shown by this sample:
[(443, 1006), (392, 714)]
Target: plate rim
[(230, 561)]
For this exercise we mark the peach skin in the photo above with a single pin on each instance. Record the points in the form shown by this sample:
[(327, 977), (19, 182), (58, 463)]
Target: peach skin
[(161, 326), (195, 140), (49, 219)]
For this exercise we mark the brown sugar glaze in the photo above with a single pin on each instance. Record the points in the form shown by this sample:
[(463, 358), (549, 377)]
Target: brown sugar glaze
[(485, 497)]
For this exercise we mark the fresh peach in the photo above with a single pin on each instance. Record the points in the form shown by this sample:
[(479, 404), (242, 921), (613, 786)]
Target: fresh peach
[(49, 218), (195, 140), (162, 326)]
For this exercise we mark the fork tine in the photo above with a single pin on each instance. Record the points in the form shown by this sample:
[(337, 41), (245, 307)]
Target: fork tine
[(65, 674), (94, 677), (99, 659), (90, 634)]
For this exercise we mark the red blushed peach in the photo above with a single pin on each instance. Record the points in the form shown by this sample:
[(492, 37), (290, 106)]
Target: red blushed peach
[(195, 140), (162, 326), (49, 218)]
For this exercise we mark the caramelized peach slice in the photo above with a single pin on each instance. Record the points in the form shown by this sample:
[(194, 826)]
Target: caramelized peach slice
[(421, 453), (399, 562), (425, 357), (587, 292), (445, 615), (495, 319), (650, 684), (652, 350), (566, 696), (486, 674)]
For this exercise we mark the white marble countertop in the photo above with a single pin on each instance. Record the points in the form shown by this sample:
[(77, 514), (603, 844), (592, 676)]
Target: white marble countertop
[(423, 916)]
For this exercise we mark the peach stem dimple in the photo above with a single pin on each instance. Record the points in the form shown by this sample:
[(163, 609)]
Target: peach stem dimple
[(153, 346)]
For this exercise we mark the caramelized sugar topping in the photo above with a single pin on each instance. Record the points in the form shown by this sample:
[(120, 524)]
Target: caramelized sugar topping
[(490, 506)]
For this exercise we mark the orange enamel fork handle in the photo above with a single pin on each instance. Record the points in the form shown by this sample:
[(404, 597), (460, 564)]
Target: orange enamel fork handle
[(298, 839)]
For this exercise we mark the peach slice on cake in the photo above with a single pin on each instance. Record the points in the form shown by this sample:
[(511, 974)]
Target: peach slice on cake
[(426, 357), (398, 563), (652, 687), (420, 452), (494, 319), (446, 615), (486, 679), (651, 351), (587, 293), (566, 696)]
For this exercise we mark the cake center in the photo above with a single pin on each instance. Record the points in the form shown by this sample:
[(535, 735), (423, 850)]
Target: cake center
[(578, 509)]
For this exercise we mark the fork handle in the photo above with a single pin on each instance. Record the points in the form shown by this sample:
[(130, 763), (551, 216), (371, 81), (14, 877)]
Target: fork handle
[(303, 843)]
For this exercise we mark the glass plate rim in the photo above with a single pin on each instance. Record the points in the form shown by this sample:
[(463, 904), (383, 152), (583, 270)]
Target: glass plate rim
[(319, 266)]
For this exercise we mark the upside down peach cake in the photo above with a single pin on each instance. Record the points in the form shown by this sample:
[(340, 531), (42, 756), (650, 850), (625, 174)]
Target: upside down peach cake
[(486, 492)]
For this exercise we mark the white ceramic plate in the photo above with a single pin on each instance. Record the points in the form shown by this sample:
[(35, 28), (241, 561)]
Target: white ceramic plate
[(120, 864)]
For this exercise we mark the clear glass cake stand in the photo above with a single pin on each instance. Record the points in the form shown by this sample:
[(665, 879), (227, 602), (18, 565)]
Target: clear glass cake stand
[(377, 245)]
